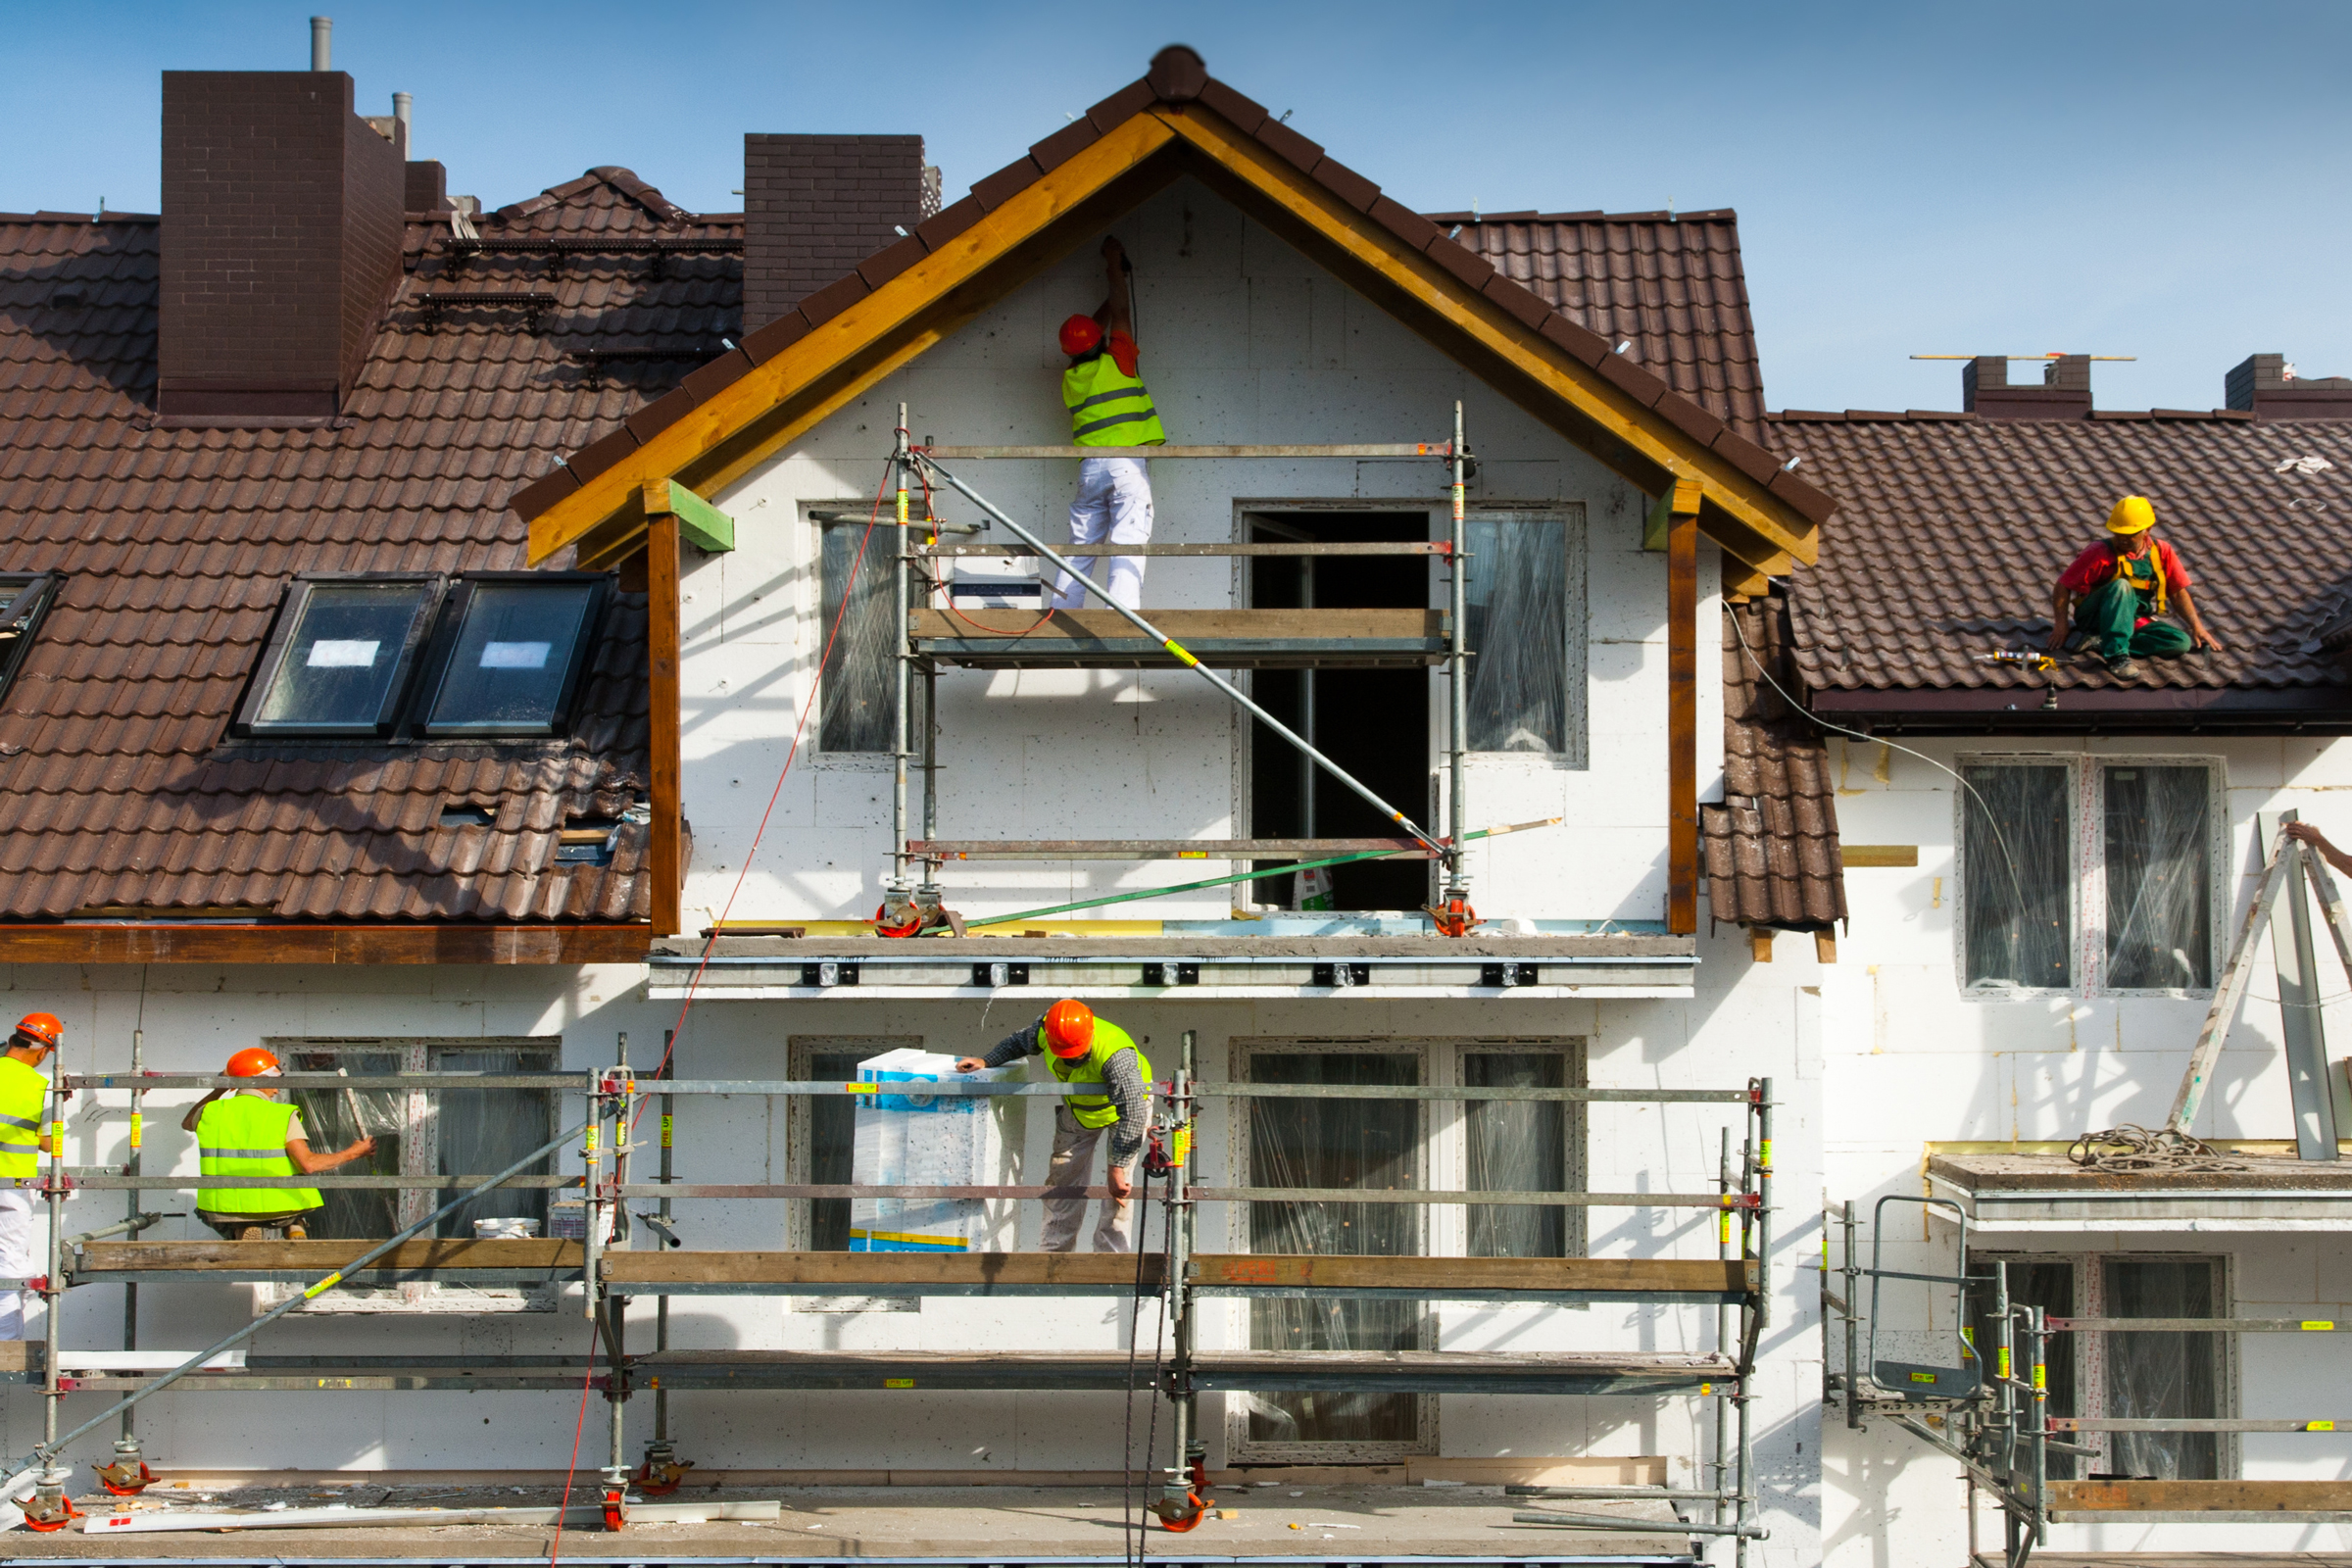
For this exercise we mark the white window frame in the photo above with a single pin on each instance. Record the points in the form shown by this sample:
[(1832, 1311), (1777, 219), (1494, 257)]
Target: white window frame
[(2086, 804), (799, 1146)]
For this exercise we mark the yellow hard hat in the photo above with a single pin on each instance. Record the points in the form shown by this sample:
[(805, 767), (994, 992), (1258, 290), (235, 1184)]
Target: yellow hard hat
[(2132, 515)]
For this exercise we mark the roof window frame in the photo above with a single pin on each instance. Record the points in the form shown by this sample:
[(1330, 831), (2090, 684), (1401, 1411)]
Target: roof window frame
[(29, 603), (291, 611), (449, 630)]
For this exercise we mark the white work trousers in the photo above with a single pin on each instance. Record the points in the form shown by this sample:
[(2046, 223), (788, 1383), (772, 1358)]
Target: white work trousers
[(1114, 506), (16, 1255), (1073, 1167)]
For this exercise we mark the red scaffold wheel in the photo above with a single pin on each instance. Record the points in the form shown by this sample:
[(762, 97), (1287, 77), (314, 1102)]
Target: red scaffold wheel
[(617, 1514), (59, 1521), (1454, 918), (909, 921), (661, 1479), (121, 1481), (1189, 1517)]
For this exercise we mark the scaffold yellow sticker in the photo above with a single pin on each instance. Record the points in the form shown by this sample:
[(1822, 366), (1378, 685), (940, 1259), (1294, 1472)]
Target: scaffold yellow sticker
[(2319, 1326)]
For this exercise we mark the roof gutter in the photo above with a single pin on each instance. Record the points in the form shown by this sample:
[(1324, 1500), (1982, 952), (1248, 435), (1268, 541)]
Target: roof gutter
[(2061, 711)]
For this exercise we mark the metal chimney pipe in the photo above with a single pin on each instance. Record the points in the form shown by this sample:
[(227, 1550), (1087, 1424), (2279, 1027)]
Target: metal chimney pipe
[(401, 103), (322, 33)]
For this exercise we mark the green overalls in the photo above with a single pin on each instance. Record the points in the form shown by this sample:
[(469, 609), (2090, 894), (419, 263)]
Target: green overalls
[(2110, 613)]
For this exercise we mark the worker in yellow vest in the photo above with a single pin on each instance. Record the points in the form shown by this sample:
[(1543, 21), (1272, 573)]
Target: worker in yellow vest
[(24, 1098), (1082, 1048), (250, 1132), (1109, 407)]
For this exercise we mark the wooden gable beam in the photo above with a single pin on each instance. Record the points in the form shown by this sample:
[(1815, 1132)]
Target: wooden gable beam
[(1501, 348), (780, 399)]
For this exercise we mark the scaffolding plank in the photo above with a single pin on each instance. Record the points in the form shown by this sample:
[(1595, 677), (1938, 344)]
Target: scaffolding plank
[(1231, 639), (2087, 1497), (1356, 449), (1159, 848), (1651, 1277), (448, 1252), (1345, 547), (1077, 1273)]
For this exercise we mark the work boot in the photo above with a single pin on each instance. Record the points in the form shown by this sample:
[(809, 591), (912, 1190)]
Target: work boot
[(2124, 668), (252, 1232), (295, 1233)]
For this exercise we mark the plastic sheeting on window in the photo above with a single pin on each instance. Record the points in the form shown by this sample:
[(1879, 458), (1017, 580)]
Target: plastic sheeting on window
[(2163, 1375), (327, 1115), (2018, 905), (857, 685), (1515, 600), (1371, 1145), (2158, 848), (1517, 1145), (483, 1130)]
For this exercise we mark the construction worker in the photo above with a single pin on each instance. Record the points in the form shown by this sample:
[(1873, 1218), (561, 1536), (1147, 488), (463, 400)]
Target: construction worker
[(24, 1097), (1109, 407), (1082, 1048), (2118, 592), (2309, 833), (250, 1132)]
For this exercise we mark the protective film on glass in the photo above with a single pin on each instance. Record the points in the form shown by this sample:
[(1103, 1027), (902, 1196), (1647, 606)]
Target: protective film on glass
[(2018, 910), (2159, 878), (1515, 605), (345, 656), (513, 660)]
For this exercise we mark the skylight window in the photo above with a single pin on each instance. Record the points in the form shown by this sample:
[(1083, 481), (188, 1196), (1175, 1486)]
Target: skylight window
[(340, 659), (520, 645), (24, 598)]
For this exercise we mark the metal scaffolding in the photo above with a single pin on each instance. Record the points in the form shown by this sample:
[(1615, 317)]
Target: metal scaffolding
[(612, 1273)]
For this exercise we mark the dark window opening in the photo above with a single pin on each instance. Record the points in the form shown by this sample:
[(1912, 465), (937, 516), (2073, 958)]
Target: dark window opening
[(857, 687), (339, 659), (1523, 1146), (1372, 722), (2018, 886), (2159, 877), (25, 598), (2050, 1285), (521, 642)]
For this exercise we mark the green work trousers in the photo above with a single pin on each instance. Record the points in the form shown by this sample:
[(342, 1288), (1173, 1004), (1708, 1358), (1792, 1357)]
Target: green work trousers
[(2105, 617)]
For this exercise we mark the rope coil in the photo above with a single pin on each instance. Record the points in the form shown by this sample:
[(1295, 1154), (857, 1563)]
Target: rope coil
[(2133, 1148)]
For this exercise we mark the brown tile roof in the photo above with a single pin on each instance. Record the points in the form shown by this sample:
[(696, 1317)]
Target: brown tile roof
[(1670, 283), (118, 786), (1179, 76), (1771, 847), (1954, 529)]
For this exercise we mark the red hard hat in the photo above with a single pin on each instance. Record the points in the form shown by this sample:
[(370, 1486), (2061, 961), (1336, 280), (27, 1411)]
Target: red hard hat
[(251, 1062), (44, 1027), (1069, 1028), (1081, 334)]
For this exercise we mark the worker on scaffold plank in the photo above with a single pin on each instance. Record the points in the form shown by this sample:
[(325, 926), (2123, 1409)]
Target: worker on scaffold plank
[(1109, 407), (252, 1133), (24, 1097), (1082, 1048)]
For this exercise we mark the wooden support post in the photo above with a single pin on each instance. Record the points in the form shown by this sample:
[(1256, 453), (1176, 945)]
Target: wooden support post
[(1682, 708), (1825, 947), (666, 855), (1759, 943)]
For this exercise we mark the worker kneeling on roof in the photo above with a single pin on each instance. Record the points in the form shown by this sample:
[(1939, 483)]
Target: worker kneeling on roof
[(1082, 1048), (1109, 407), (24, 1097), (2119, 592), (250, 1132)]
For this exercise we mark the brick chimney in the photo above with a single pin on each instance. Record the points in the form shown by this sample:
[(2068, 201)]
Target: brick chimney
[(2064, 393), (281, 245), (2267, 387), (813, 207)]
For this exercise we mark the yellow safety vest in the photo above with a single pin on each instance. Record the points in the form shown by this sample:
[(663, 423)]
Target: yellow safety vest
[(244, 1135), (23, 1096), (1108, 408), (2144, 573), (1093, 1110)]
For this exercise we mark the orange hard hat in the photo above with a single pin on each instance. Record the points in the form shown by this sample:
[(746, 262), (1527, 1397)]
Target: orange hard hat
[(1081, 334), (42, 1028), (1069, 1028), (251, 1062)]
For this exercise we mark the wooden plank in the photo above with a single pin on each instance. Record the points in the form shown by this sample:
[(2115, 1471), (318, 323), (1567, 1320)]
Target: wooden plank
[(851, 1270), (1184, 625), (840, 358), (1019, 551), (1682, 709), (323, 944), (665, 857), (1879, 854), (1437, 1275), (700, 523), (1440, 450), (2170, 1497), (1159, 848), (325, 1257), (1364, 246)]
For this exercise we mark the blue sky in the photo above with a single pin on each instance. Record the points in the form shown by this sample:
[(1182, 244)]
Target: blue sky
[(2152, 179)]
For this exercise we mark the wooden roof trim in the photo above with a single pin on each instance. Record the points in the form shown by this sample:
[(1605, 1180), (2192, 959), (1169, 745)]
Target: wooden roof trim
[(837, 357), (1654, 440)]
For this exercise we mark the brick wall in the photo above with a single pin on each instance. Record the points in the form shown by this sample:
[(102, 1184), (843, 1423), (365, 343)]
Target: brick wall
[(281, 240), (813, 207), (427, 186)]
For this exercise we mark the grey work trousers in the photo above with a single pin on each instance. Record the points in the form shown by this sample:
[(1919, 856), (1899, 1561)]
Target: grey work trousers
[(1073, 1165)]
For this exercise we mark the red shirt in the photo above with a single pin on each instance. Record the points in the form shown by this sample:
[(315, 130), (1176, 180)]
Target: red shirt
[(2095, 566)]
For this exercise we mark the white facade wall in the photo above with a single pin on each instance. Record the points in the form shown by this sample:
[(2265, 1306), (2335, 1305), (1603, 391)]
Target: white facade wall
[(1909, 1061)]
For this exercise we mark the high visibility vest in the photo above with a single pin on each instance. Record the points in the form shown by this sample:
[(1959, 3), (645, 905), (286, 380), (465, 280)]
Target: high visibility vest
[(1093, 1110), (1108, 408), (23, 1095), (244, 1135)]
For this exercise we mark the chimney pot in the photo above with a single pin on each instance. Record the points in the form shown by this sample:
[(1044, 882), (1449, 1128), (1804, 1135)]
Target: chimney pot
[(2266, 386), (1986, 391), (323, 29)]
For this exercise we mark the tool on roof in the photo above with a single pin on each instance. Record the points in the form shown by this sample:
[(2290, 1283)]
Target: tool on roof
[(2028, 658)]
